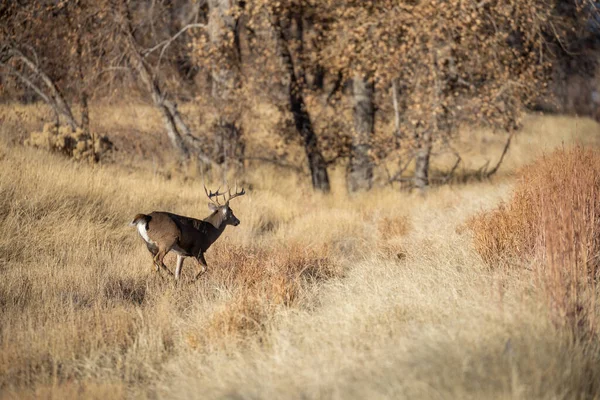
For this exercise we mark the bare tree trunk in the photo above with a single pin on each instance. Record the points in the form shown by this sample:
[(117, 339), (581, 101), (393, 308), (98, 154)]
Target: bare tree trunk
[(83, 92), (222, 32), (317, 81), (170, 116), (181, 16), (316, 161), (225, 80), (83, 99), (297, 41), (423, 154), (424, 135), (360, 168), (397, 117)]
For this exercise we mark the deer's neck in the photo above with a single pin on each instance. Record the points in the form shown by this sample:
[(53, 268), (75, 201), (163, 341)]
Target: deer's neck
[(216, 226)]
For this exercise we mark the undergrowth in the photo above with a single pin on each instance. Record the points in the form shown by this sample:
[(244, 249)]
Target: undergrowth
[(551, 225)]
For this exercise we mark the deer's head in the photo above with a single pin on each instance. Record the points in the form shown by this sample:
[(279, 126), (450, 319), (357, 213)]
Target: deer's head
[(223, 214)]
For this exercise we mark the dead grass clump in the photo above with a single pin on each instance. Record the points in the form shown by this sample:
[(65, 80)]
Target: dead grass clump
[(392, 251), (258, 267), (55, 347), (15, 295), (128, 290), (74, 144), (553, 220), (509, 232), (261, 280), (391, 227), (241, 317), (266, 225)]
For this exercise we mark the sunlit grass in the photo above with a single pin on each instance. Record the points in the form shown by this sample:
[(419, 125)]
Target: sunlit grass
[(378, 295)]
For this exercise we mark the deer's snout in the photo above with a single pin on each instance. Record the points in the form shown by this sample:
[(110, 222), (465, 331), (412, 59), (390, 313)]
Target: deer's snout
[(235, 221)]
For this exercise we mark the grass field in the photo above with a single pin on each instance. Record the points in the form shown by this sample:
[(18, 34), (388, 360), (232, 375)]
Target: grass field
[(380, 295)]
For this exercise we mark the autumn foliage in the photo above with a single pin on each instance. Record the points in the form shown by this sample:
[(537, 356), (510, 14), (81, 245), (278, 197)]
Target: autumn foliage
[(364, 84)]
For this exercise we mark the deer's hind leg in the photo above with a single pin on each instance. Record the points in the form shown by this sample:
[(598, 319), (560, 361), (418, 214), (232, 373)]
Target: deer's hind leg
[(201, 265), (158, 261), (153, 249)]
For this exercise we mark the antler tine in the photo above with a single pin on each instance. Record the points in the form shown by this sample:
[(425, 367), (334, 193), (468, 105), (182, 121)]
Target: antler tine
[(216, 195), (236, 194)]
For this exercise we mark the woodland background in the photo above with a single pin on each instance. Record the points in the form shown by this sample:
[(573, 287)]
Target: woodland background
[(379, 87)]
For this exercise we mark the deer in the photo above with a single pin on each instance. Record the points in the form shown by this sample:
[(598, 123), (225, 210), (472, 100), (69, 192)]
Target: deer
[(187, 237)]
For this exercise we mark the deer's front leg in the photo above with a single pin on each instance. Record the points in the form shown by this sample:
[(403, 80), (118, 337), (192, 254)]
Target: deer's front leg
[(201, 265)]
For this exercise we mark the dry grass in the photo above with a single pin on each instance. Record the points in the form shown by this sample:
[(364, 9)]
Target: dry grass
[(374, 296), (79, 298), (508, 234), (552, 222)]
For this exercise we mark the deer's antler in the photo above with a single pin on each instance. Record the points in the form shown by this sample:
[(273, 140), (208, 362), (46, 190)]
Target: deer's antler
[(236, 193), (214, 195)]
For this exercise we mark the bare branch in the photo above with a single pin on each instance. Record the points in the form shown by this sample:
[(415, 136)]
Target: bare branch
[(398, 175), (29, 83), (177, 131), (396, 107), (450, 173), (55, 98), (483, 3), (504, 151), (110, 69), (167, 42), (184, 29)]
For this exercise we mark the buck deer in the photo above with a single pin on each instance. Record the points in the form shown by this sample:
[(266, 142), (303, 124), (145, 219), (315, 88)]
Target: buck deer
[(187, 237)]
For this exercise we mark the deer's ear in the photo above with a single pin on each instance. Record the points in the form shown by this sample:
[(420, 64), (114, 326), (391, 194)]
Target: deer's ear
[(213, 207)]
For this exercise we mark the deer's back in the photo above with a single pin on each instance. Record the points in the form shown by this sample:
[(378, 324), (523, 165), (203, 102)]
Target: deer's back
[(189, 233)]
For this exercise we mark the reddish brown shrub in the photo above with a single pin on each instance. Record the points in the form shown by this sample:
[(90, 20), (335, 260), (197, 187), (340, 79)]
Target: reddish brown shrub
[(553, 220), (260, 280), (508, 233)]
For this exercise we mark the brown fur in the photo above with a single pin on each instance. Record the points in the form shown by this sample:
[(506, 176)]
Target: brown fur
[(188, 237)]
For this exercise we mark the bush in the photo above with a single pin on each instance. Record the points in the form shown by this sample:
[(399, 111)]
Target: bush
[(552, 222), (76, 144), (260, 281)]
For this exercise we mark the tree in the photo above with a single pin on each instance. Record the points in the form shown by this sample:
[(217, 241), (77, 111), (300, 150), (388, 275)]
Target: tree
[(280, 19), (224, 41), (180, 135), (360, 166), (276, 32), (333, 69), (457, 62), (29, 53)]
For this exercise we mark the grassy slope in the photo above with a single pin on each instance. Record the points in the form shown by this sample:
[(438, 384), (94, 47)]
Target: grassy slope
[(375, 296)]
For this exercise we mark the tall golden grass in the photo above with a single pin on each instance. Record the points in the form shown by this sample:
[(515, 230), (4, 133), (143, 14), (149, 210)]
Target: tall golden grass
[(378, 295), (552, 222)]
